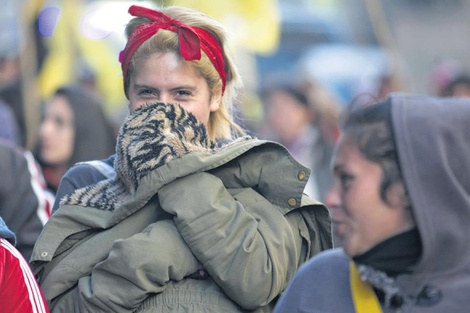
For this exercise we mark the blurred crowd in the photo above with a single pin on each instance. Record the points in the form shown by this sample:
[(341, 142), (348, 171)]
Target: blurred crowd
[(74, 122)]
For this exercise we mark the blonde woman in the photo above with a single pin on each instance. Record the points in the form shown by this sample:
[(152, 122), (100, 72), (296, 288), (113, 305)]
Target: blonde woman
[(199, 217)]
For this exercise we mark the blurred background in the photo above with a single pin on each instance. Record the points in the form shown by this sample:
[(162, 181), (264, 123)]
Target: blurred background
[(346, 48)]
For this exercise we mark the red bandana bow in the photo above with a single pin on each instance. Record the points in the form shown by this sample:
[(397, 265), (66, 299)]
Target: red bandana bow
[(191, 39)]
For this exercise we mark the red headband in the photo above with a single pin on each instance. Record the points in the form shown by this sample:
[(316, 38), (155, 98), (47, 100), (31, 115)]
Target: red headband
[(192, 40)]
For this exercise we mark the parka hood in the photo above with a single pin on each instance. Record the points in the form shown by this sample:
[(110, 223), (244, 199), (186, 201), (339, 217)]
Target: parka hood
[(433, 141)]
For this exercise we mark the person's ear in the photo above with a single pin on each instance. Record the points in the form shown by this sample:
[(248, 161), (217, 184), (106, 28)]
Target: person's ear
[(216, 100), (397, 196)]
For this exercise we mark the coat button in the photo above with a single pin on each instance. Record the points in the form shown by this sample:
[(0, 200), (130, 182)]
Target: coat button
[(292, 202), (301, 176), (44, 254)]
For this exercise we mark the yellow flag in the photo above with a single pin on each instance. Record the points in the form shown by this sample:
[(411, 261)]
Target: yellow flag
[(253, 25), (58, 66), (67, 46)]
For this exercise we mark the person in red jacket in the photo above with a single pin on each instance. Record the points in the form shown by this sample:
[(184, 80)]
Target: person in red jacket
[(19, 291)]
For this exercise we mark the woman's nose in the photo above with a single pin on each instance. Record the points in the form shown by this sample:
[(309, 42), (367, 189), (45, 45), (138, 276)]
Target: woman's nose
[(332, 198), (45, 128), (165, 98)]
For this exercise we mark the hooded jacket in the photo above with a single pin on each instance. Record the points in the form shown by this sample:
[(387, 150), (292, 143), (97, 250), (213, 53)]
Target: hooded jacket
[(432, 137), (185, 226)]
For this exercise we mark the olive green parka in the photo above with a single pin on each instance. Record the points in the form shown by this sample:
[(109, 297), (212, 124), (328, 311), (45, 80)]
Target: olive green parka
[(219, 229)]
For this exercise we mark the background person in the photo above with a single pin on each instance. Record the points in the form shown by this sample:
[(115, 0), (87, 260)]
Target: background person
[(459, 86), (74, 129), (197, 218), (398, 177), (293, 119), (8, 127), (25, 202)]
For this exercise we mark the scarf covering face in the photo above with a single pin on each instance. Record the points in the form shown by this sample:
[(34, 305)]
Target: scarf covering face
[(150, 137)]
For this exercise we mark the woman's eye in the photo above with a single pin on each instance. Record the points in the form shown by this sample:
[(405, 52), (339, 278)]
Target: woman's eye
[(61, 122), (182, 93), (345, 180), (145, 92)]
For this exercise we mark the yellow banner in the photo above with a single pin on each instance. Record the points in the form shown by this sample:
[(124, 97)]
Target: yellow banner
[(253, 25)]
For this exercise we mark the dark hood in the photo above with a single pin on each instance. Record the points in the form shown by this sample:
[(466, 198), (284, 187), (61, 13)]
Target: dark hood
[(433, 141)]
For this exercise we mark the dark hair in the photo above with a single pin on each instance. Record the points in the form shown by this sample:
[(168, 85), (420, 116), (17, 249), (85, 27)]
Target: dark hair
[(94, 135), (371, 129), (449, 88), (290, 89)]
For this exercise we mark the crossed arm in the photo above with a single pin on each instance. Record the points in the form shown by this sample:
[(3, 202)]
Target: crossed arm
[(249, 248)]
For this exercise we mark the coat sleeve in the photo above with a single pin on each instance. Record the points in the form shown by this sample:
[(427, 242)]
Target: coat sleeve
[(136, 266), (246, 244)]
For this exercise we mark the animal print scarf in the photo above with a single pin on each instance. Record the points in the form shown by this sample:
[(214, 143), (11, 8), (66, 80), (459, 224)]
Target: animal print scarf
[(150, 137)]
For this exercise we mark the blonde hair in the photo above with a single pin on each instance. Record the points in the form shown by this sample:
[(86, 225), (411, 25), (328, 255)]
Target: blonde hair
[(221, 122)]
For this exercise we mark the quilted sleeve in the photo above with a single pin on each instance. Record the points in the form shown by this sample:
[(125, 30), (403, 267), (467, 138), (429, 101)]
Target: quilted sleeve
[(248, 246), (136, 267)]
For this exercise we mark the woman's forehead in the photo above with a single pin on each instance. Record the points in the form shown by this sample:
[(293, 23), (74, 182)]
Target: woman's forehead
[(347, 152)]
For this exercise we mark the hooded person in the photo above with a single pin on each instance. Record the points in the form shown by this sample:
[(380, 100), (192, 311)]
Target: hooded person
[(400, 202)]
